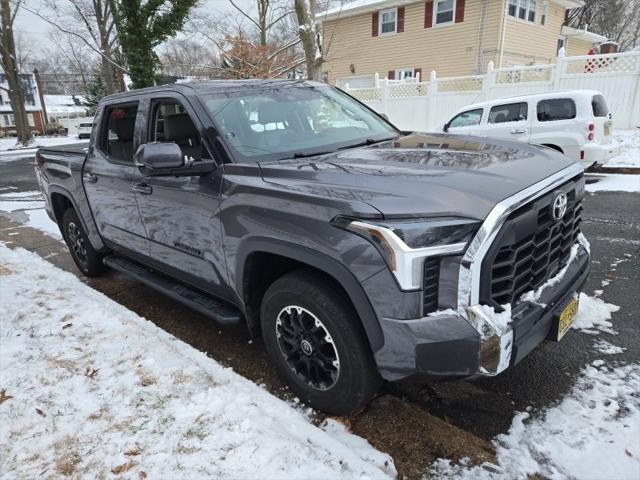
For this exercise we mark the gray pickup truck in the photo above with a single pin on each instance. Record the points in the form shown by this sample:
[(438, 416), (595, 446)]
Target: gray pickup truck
[(358, 252)]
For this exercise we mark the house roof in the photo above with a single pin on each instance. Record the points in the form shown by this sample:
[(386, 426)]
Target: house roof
[(358, 7), (65, 103), (582, 34)]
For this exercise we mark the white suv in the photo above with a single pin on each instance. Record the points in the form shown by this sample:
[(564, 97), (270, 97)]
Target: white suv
[(84, 129), (574, 122)]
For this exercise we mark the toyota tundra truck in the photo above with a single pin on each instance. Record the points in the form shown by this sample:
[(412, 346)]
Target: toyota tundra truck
[(357, 252)]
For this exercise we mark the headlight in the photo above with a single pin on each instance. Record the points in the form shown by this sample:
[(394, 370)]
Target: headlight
[(405, 243)]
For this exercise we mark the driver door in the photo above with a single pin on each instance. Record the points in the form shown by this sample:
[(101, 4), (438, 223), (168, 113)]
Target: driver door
[(181, 213)]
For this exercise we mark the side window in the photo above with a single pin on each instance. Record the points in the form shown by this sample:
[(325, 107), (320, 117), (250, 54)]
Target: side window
[(513, 112), (170, 122), (466, 119), (556, 109), (117, 135), (599, 106)]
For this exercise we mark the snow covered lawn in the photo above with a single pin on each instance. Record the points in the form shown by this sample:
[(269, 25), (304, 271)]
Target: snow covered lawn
[(629, 141), (90, 389), (613, 183)]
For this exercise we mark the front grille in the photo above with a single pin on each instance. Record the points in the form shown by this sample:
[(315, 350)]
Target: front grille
[(533, 247), (431, 282)]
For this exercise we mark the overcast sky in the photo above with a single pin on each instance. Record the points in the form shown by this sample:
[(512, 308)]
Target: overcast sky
[(35, 30)]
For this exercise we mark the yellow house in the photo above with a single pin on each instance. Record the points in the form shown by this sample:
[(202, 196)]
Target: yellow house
[(405, 38)]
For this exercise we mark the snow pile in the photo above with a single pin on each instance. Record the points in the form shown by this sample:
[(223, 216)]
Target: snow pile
[(607, 348), (30, 205), (593, 433), (629, 141), (10, 150), (614, 183), (90, 389), (594, 315)]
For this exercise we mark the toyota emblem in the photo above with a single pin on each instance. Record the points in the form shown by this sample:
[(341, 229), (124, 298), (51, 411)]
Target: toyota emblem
[(559, 206)]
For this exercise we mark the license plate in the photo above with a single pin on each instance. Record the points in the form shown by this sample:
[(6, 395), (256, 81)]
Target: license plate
[(567, 317)]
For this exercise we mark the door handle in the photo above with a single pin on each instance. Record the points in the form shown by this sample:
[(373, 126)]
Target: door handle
[(142, 188), (90, 178), (519, 130)]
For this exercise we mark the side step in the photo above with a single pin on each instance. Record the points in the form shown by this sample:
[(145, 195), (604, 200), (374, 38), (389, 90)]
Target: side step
[(219, 311)]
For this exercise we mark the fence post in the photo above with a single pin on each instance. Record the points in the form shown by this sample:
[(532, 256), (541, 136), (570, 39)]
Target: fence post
[(384, 95), (432, 94), (489, 81), (376, 80), (559, 70)]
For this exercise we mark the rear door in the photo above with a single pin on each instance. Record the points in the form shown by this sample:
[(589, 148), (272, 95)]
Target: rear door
[(109, 176), (508, 120), (181, 214)]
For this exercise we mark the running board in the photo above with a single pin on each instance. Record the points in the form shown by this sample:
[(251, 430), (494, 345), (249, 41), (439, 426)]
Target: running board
[(221, 312)]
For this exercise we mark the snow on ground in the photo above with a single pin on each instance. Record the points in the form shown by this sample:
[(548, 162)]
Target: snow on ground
[(607, 348), (594, 315), (613, 183), (9, 150), (31, 206), (88, 388), (629, 141), (593, 433)]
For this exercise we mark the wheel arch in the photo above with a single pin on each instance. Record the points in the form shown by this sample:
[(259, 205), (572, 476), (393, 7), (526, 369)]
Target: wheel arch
[(252, 281)]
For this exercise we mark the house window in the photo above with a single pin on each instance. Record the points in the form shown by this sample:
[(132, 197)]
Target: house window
[(523, 10), (9, 120), (403, 73), (388, 21), (444, 11), (545, 13)]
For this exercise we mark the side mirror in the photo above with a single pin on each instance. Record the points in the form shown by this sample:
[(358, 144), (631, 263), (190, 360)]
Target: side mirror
[(158, 156), (445, 127)]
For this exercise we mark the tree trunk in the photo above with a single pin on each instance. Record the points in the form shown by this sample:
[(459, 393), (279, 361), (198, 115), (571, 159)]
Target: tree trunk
[(308, 32), (10, 67)]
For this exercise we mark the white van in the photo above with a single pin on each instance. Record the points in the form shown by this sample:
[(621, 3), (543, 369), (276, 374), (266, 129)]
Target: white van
[(574, 122)]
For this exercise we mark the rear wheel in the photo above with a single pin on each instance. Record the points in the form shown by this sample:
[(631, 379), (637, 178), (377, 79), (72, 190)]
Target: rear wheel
[(312, 335), (84, 255)]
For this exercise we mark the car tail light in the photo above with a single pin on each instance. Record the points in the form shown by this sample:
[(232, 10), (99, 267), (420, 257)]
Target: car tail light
[(591, 127), (590, 136), (581, 154)]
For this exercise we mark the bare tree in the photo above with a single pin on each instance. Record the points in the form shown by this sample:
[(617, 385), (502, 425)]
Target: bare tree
[(618, 20), (90, 22), (310, 37), (183, 57), (8, 12)]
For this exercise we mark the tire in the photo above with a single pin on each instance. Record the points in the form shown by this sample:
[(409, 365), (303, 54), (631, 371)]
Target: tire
[(84, 255), (330, 365)]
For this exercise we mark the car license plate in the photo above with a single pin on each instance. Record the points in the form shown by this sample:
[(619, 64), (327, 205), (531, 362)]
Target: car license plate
[(567, 317)]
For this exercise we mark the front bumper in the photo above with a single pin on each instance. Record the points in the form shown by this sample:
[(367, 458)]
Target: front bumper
[(471, 341)]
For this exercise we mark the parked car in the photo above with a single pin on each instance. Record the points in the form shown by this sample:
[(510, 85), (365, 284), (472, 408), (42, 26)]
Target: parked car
[(84, 129), (574, 122), (357, 251)]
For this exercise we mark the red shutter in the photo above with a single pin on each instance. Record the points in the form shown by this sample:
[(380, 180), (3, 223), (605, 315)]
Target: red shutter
[(400, 28), (418, 71), (460, 11), (391, 74), (428, 15), (374, 24)]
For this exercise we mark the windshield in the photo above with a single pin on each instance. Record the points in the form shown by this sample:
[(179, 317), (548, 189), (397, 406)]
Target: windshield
[(284, 122)]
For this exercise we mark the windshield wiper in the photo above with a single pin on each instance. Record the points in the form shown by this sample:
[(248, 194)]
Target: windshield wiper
[(364, 143)]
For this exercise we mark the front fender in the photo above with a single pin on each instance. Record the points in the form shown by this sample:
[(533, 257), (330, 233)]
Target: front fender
[(319, 261)]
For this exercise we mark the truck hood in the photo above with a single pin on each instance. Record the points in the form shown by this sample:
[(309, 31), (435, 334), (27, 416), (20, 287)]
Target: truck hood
[(421, 174)]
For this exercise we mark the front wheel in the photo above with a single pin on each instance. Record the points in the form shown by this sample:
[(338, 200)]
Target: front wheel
[(84, 255), (313, 336)]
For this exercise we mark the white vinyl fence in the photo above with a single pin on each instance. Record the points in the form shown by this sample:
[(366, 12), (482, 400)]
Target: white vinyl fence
[(426, 105)]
